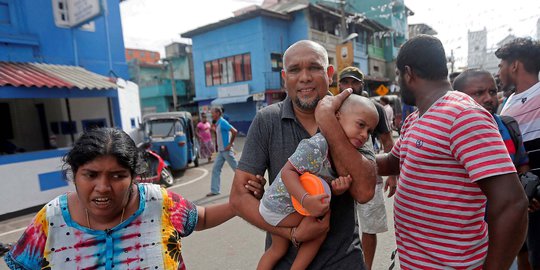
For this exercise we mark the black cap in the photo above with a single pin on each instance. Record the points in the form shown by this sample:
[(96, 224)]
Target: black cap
[(351, 72)]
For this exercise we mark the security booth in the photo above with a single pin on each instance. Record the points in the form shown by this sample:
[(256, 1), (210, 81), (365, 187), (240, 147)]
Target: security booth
[(43, 110)]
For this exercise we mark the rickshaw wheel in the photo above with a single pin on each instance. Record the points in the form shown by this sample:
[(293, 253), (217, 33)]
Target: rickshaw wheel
[(196, 161), (167, 178)]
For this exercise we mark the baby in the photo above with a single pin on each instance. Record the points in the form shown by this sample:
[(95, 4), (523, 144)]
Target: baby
[(358, 117)]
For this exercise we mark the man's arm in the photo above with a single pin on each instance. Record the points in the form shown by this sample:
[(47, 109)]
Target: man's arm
[(391, 180), (233, 137), (247, 207), (346, 158), (387, 141), (387, 164), (507, 219)]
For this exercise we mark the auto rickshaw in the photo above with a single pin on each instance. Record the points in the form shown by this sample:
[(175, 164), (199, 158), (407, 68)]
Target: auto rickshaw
[(172, 136)]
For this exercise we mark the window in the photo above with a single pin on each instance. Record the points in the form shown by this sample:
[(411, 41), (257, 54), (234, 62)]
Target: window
[(8, 17), (228, 70), (277, 62), (208, 73)]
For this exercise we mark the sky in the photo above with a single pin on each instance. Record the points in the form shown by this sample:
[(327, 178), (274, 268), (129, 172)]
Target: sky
[(152, 24)]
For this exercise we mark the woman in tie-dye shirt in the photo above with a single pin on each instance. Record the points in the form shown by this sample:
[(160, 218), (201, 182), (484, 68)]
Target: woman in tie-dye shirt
[(110, 221)]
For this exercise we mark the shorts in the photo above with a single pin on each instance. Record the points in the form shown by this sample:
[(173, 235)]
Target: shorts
[(271, 217), (372, 215)]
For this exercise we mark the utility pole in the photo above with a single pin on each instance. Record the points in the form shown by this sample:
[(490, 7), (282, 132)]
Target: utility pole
[(343, 21), (173, 83), (452, 60)]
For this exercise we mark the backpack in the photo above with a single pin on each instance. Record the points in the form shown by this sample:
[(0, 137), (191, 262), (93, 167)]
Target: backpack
[(513, 129)]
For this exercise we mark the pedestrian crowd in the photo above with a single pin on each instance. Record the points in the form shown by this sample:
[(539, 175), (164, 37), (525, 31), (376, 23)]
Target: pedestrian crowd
[(463, 171)]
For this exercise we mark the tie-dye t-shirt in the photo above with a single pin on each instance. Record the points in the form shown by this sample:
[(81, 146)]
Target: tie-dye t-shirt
[(149, 239)]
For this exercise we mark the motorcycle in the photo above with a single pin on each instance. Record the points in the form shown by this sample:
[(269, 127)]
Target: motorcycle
[(157, 170), (4, 248)]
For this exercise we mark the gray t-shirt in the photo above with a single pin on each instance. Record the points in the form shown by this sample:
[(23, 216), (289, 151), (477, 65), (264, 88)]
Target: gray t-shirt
[(272, 139)]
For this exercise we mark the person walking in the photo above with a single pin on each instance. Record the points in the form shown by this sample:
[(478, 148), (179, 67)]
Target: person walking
[(225, 135), (109, 221), (205, 138)]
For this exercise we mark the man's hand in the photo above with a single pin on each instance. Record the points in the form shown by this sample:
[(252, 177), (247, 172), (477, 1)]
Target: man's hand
[(256, 186), (341, 184), (316, 205), (329, 105), (534, 205), (391, 183), (312, 227)]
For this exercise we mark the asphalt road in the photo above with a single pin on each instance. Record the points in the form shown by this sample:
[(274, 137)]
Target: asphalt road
[(232, 245)]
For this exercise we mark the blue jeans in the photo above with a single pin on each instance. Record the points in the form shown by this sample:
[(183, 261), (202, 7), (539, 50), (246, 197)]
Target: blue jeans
[(218, 165)]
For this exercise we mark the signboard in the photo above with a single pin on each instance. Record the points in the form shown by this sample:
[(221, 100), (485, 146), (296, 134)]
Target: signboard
[(233, 91), (74, 13), (381, 90), (344, 55)]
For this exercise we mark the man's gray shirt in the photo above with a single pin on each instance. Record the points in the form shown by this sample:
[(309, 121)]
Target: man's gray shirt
[(272, 139)]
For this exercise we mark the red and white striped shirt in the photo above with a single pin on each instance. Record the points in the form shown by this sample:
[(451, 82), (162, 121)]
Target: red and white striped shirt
[(438, 208)]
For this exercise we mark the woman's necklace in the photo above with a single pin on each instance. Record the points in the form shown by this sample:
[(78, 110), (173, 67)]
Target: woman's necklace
[(88, 219)]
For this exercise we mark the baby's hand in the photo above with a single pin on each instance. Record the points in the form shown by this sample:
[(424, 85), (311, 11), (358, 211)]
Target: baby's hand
[(316, 205), (341, 184)]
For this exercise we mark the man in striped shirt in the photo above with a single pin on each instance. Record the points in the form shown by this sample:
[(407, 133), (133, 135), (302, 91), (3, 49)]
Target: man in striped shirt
[(519, 66), (450, 158)]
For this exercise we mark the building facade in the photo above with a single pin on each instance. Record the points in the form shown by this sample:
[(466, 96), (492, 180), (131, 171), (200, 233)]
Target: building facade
[(159, 79), (143, 56), (59, 75), (480, 55), (237, 61)]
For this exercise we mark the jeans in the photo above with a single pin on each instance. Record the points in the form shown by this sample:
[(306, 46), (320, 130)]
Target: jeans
[(218, 165)]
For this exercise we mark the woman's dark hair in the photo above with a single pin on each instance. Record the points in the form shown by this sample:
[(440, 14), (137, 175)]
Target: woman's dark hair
[(100, 142), (425, 55)]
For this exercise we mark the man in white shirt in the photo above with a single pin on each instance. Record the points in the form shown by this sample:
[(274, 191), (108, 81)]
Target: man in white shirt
[(519, 67)]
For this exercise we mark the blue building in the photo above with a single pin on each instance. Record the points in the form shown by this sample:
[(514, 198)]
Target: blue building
[(159, 78), (237, 61), (382, 46), (57, 78)]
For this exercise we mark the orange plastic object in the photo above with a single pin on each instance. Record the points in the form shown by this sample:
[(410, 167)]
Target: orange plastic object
[(313, 185)]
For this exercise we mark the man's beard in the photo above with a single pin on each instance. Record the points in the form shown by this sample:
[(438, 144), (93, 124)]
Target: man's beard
[(406, 95), (306, 105)]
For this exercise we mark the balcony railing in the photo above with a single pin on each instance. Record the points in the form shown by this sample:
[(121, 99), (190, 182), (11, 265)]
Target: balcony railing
[(324, 38)]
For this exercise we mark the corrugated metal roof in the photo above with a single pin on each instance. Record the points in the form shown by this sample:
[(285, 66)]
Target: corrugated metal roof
[(25, 74), (51, 76)]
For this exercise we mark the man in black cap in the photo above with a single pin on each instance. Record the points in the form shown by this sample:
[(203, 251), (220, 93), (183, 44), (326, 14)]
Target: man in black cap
[(371, 215)]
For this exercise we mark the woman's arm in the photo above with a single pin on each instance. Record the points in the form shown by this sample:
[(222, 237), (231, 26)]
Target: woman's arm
[(213, 215)]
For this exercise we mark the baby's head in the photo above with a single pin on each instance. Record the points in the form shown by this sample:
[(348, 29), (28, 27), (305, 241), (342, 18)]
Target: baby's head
[(358, 118)]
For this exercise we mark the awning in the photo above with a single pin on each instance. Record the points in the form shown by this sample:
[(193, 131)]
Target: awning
[(51, 76), (229, 100)]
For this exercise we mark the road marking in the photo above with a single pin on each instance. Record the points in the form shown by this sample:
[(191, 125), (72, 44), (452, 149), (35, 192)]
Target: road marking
[(13, 231), (204, 171)]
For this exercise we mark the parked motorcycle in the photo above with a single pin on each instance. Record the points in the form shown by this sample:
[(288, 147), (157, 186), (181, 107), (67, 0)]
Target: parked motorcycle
[(4, 248), (157, 170)]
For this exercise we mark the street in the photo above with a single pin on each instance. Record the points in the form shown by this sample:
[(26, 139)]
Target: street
[(233, 245)]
